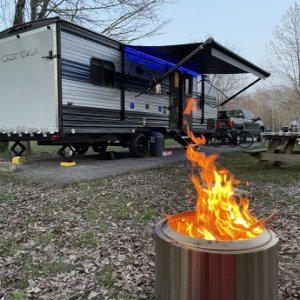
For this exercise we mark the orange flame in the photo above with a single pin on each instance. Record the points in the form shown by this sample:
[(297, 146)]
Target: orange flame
[(218, 215), (189, 106)]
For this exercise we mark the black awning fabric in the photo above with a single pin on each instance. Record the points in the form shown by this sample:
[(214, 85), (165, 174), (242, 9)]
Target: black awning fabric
[(212, 59)]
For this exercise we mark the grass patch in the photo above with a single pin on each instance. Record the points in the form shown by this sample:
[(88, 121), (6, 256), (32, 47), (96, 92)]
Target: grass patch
[(7, 245), (170, 142), (95, 216), (49, 267), (86, 239), (30, 220), (92, 215), (244, 167), (4, 197), (105, 276), (116, 206), (149, 214), (44, 239), (54, 267), (18, 295), (91, 187), (121, 213)]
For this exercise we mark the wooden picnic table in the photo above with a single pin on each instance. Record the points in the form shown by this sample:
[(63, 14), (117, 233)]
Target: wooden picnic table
[(277, 154)]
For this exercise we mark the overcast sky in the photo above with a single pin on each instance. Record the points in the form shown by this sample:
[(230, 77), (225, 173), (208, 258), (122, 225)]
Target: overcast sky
[(245, 24)]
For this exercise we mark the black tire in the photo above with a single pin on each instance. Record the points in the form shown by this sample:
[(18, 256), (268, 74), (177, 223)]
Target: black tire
[(81, 148), (138, 145), (99, 147), (245, 139)]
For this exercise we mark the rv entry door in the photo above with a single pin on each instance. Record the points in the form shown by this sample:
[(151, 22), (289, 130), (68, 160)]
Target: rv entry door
[(187, 93), (174, 106)]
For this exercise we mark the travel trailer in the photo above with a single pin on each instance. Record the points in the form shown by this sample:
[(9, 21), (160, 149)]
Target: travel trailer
[(62, 84)]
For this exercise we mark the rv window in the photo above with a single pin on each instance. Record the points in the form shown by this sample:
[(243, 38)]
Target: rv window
[(188, 86), (157, 89), (139, 70), (102, 72)]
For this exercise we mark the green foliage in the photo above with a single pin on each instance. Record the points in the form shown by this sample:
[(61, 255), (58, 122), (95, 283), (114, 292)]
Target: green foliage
[(44, 239), (105, 276), (149, 214), (87, 239), (18, 295), (5, 197)]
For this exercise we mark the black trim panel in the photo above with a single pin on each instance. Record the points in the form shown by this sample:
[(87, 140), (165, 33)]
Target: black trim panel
[(89, 35), (96, 120)]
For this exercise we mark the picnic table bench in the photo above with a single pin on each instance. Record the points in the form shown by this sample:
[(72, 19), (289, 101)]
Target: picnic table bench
[(275, 154)]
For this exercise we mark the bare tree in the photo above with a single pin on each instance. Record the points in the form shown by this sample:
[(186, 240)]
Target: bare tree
[(284, 54), (227, 85), (125, 20)]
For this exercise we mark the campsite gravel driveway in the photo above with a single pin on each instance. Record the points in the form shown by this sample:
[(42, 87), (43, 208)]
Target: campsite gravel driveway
[(48, 170)]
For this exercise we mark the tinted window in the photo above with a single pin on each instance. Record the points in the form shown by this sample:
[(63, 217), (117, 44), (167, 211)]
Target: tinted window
[(222, 114), (235, 114), (102, 72)]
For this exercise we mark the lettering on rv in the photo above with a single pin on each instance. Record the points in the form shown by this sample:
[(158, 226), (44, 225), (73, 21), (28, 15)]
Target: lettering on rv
[(18, 55)]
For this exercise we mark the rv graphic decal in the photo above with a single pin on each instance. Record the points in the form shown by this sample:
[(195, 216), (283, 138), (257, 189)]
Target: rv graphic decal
[(21, 54)]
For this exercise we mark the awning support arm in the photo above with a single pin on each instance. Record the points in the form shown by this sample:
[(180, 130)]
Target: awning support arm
[(239, 92), (218, 90), (178, 65)]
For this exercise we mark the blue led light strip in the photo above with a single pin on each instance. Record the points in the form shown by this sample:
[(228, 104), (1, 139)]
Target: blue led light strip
[(152, 60)]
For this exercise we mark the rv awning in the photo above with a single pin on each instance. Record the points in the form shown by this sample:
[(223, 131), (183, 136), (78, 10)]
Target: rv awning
[(209, 57)]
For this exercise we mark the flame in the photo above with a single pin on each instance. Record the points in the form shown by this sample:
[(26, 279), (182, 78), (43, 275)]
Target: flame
[(218, 214), (189, 106)]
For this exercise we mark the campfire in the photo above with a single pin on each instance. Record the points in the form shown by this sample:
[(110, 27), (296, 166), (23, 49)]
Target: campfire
[(218, 216), (219, 251)]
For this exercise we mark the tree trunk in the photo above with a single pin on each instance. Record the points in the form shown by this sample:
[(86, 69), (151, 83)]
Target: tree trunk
[(33, 7), (19, 13)]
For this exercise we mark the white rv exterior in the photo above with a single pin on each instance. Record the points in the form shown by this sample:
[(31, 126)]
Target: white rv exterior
[(29, 91), (63, 84)]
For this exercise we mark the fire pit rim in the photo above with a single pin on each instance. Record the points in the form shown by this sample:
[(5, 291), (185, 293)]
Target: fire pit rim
[(265, 240)]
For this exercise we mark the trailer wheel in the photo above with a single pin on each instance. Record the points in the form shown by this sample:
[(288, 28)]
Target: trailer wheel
[(81, 148), (138, 145), (99, 147)]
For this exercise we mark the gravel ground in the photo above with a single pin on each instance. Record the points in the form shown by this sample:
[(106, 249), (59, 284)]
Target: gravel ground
[(46, 167), (95, 240)]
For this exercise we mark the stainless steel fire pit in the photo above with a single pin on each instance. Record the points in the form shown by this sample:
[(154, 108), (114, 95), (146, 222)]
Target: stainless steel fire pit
[(195, 269)]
